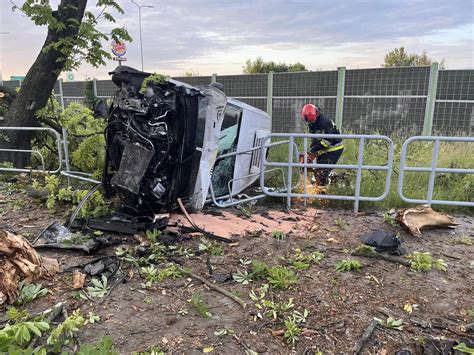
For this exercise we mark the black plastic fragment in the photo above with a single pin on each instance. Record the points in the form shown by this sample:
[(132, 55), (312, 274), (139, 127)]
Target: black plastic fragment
[(384, 241)]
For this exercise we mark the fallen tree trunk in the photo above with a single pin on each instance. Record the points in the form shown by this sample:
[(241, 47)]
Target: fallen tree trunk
[(392, 259), (19, 262)]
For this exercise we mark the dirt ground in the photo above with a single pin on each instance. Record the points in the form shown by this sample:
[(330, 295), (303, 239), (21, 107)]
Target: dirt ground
[(341, 305)]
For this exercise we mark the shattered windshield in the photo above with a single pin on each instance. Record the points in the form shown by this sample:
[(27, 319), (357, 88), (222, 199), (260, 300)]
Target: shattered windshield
[(224, 168)]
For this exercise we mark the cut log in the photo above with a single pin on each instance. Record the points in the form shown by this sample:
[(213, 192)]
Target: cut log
[(20, 262), (422, 217)]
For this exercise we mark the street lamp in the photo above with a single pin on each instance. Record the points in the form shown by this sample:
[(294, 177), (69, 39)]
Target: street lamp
[(140, 25)]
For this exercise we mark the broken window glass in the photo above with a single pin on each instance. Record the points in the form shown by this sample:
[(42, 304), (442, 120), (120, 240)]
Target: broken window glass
[(228, 140)]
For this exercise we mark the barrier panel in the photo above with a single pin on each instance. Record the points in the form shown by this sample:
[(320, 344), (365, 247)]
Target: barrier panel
[(432, 169)]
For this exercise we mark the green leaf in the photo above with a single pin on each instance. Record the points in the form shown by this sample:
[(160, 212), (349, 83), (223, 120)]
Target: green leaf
[(33, 328), (464, 348)]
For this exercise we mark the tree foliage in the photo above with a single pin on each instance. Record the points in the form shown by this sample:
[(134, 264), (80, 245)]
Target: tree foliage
[(85, 136), (90, 100), (260, 66), (87, 45), (74, 36), (399, 57)]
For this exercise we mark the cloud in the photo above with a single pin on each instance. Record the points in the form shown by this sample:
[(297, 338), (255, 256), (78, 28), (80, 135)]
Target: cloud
[(218, 35)]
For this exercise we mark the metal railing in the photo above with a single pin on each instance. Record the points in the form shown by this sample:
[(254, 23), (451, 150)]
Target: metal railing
[(359, 167), (432, 169), (51, 131), (220, 201), (62, 143)]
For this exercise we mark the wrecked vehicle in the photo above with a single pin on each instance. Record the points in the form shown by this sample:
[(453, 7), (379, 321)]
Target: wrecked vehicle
[(164, 137)]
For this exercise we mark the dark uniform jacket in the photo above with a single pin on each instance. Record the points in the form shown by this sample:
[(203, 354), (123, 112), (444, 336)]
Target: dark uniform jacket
[(324, 125)]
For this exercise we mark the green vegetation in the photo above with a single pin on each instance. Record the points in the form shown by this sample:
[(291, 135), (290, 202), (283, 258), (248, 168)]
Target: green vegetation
[(259, 270), (59, 196), (364, 250), (155, 79), (282, 311), (292, 331), (90, 100), (465, 239), (447, 186), (28, 293), (151, 274), (242, 277), (259, 66), (348, 265), (423, 261), (198, 303), (151, 235), (399, 57), (212, 247), (281, 277), (278, 235), (99, 288), (462, 347), (85, 135), (19, 334), (391, 323)]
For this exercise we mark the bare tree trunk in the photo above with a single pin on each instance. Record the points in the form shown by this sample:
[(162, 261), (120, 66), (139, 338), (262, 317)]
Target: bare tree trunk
[(39, 82)]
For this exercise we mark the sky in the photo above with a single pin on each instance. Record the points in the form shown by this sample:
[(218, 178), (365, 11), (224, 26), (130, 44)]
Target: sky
[(218, 36)]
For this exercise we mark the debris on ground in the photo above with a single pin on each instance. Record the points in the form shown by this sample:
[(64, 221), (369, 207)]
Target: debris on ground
[(19, 262), (384, 241), (422, 217), (161, 290), (78, 280)]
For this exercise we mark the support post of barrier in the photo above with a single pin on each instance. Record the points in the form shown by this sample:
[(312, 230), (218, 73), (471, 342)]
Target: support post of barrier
[(434, 160), (431, 100), (66, 153), (360, 162), (214, 78), (270, 93), (94, 86), (61, 92), (341, 79), (290, 172)]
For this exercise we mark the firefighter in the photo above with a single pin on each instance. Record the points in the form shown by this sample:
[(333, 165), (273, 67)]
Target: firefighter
[(322, 150)]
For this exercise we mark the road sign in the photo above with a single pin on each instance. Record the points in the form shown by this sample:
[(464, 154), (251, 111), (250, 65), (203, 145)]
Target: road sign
[(17, 77), (118, 48)]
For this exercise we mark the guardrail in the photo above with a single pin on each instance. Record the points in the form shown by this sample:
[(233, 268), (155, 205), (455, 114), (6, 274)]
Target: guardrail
[(35, 129), (289, 194), (220, 201), (433, 170)]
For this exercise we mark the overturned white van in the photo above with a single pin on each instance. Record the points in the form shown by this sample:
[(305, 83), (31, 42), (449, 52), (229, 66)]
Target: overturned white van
[(168, 140)]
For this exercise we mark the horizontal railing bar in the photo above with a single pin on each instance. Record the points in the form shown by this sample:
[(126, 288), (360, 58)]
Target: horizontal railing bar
[(438, 170), (332, 166)]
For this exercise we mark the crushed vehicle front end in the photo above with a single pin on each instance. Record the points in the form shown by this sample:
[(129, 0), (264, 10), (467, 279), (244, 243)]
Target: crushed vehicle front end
[(161, 141)]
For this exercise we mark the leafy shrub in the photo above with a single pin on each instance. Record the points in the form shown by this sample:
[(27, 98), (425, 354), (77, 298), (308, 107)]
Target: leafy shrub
[(423, 261), (63, 196), (348, 265), (198, 303), (85, 136), (281, 277), (259, 270), (30, 292)]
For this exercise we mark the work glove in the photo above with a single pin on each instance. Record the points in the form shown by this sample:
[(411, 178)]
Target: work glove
[(310, 157)]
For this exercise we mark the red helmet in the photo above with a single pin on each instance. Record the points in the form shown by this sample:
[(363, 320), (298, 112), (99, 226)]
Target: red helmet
[(309, 113)]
